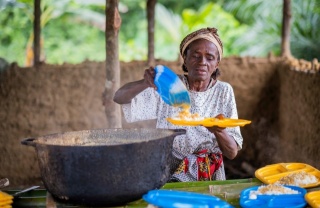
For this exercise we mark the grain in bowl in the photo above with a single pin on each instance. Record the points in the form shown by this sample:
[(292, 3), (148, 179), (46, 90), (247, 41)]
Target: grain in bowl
[(272, 189)]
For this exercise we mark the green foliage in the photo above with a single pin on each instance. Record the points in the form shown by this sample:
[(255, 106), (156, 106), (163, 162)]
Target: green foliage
[(64, 43), (172, 29), (305, 41), (265, 22), (168, 33), (133, 19), (133, 32), (134, 48), (264, 35), (74, 44), (61, 22), (72, 30), (14, 34), (212, 15), (179, 6)]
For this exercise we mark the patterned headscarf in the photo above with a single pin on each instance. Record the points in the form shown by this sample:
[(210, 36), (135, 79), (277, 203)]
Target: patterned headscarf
[(209, 33)]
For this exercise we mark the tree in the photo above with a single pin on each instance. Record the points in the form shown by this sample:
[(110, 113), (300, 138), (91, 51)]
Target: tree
[(285, 35), (150, 18), (113, 22), (37, 32)]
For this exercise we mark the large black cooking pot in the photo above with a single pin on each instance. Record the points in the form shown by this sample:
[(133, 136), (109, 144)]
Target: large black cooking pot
[(105, 167)]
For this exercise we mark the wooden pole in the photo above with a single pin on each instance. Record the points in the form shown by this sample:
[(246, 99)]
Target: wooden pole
[(286, 19), (36, 32), (113, 22), (150, 19)]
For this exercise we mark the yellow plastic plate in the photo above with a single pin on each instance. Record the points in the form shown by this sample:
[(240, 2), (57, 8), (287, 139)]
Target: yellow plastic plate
[(209, 122), (272, 173), (313, 198)]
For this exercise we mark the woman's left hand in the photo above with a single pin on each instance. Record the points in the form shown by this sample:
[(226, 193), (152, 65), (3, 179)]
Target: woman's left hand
[(217, 128), (226, 143)]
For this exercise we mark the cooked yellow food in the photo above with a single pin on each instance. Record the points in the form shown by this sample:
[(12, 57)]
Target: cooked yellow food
[(185, 118), (185, 114)]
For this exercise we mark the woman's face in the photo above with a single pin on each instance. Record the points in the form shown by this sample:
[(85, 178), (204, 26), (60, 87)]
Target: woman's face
[(201, 60)]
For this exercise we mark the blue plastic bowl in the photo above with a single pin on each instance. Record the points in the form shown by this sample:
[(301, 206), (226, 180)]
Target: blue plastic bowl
[(284, 200)]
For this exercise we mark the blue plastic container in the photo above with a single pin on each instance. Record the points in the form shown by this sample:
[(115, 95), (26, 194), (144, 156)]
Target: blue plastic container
[(275, 201), (170, 87), (182, 199)]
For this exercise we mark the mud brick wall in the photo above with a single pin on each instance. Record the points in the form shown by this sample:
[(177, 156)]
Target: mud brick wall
[(282, 104)]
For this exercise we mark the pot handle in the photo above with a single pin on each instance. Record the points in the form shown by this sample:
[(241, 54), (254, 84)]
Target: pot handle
[(179, 131), (28, 142)]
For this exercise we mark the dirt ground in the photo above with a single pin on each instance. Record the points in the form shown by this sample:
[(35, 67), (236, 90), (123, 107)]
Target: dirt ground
[(283, 105)]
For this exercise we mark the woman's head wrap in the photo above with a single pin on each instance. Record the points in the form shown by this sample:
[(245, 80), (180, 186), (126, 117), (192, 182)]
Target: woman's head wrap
[(209, 33)]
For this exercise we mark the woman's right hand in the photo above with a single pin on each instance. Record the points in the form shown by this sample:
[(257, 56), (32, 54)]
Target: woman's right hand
[(128, 91), (148, 76)]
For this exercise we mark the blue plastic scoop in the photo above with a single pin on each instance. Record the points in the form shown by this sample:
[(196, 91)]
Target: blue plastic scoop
[(170, 87)]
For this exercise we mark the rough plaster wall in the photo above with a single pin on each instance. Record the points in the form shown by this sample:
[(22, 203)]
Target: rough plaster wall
[(35, 102), (255, 82), (299, 117), (58, 98)]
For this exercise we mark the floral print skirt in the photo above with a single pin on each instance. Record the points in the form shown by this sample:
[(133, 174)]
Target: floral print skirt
[(200, 166)]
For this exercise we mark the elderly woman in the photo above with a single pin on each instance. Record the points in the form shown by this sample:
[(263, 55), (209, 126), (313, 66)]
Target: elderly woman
[(197, 155)]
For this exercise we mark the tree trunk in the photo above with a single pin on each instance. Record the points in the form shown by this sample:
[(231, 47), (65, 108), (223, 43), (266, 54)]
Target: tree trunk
[(113, 22), (150, 18), (286, 19), (36, 32)]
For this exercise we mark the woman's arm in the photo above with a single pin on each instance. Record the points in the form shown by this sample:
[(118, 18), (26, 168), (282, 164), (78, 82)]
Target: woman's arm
[(226, 143), (229, 141), (128, 91)]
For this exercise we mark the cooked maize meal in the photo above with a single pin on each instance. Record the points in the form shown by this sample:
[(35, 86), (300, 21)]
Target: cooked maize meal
[(5, 200), (298, 179), (185, 114), (271, 189)]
